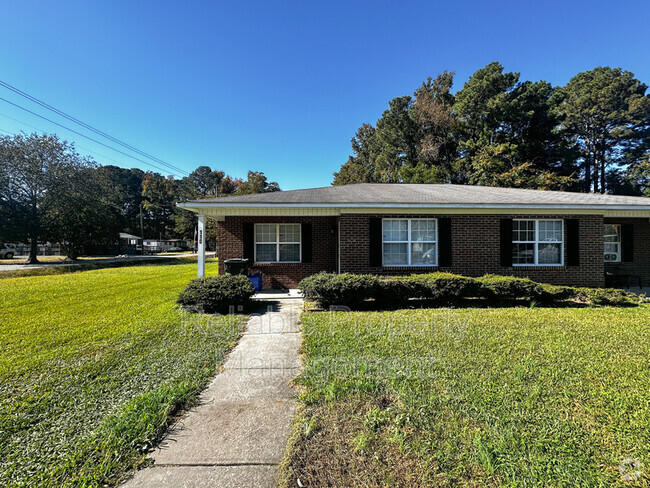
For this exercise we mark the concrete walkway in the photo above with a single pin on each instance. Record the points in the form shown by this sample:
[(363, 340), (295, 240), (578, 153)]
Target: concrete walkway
[(237, 435)]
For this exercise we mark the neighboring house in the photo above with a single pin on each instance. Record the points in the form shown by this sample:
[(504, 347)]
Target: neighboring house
[(130, 244), (389, 229), (163, 245)]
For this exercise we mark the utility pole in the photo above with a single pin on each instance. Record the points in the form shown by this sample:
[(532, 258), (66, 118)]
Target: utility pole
[(141, 229)]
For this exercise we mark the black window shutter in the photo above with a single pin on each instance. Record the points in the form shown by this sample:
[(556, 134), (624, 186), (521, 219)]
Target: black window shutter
[(506, 242), (444, 242), (306, 243), (572, 242), (248, 238), (627, 243), (374, 246)]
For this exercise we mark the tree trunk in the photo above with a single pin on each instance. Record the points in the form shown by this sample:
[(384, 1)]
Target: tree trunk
[(595, 173), (33, 251), (602, 174), (588, 156)]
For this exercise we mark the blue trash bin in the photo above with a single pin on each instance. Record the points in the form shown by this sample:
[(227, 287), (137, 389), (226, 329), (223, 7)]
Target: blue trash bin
[(256, 280)]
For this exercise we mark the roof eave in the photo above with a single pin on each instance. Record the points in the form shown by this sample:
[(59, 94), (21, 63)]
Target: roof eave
[(496, 206)]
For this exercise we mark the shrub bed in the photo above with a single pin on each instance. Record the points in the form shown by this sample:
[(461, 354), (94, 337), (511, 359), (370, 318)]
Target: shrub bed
[(498, 289), (339, 289), (449, 289), (217, 294)]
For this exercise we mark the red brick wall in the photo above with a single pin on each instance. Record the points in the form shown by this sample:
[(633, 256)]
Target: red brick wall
[(640, 266), (288, 275), (476, 249)]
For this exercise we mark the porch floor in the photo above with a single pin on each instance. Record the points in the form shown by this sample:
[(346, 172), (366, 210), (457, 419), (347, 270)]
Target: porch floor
[(278, 294)]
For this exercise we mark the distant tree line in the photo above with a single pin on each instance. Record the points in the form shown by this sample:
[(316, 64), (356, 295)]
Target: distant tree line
[(49, 192), (591, 135)]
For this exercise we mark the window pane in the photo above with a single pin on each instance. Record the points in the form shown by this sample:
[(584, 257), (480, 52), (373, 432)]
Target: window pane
[(423, 253), (289, 252), (395, 230), (265, 252), (423, 230), (289, 232), (611, 247), (549, 254), (612, 233), (523, 253), (550, 230), (265, 233), (523, 230), (395, 254)]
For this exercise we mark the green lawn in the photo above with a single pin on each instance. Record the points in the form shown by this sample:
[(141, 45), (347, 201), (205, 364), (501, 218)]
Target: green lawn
[(474, 397), (93, 365)]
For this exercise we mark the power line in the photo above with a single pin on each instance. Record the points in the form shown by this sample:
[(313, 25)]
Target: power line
[(89, 127), (87, 137), (103, 156)]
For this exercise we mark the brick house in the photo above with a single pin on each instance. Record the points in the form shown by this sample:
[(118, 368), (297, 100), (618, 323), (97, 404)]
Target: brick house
[(389, 229)]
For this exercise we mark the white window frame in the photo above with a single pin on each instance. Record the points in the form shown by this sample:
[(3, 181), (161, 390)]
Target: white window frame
[(536, 243), (409, 242), (277, 242), (619, 243)]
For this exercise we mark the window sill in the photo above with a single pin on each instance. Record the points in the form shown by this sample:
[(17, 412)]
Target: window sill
[(538, 265), (409, 265)]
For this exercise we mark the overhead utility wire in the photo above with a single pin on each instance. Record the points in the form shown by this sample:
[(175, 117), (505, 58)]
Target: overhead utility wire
[(89, 127), (84, 135), (86, 149)]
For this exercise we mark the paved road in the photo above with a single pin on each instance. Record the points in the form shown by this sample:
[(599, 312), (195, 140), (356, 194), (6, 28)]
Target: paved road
[(237, 435), (10, 267)]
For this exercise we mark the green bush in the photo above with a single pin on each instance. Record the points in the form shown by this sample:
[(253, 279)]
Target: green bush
[(217, 293), (556, 293), (500, 289), (394, 292), (444, 288), (449, 289), (607, 297), (339, 289)]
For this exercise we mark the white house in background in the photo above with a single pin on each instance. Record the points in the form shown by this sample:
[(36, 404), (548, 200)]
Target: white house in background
[(164, 245)]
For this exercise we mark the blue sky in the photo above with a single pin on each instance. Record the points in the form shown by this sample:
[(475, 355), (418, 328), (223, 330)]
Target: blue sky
[(281, 86)]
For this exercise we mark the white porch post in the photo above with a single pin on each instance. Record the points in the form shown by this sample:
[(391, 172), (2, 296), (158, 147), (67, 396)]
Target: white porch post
[(201, 245)]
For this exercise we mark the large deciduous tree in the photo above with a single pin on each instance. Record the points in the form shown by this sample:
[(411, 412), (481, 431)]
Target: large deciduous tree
[(49, 193), (608, 112)]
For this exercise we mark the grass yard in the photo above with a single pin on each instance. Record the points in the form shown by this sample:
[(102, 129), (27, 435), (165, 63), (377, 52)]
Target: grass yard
[(93, 365), (474, 397)]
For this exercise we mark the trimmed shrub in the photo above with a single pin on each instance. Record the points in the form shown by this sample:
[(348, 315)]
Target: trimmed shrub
[(607, 297), (339, 289), (394, 292), (556, 293), (508, 288), (217, 293), (444, 288), (448, 289)]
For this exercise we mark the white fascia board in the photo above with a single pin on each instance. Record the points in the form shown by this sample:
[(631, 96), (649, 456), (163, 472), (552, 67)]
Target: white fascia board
[(198, 205)]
